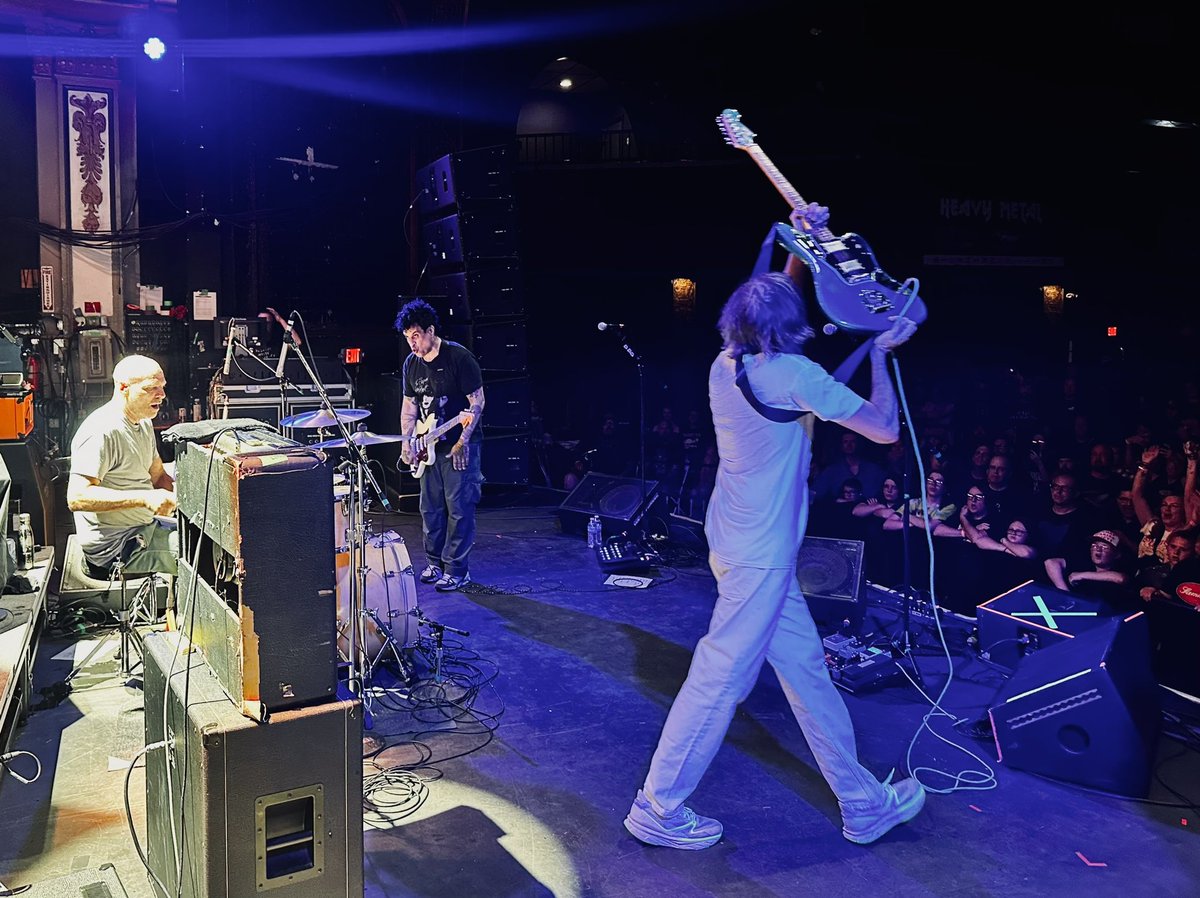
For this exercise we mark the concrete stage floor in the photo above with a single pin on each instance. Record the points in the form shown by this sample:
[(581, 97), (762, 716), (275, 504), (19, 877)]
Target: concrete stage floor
[(511, 777)]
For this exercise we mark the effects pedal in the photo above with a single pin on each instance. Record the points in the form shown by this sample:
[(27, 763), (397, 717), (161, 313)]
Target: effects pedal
[(621, 553)]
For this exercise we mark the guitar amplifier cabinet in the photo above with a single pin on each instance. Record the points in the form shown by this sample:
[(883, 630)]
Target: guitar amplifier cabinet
[(256, 590), (255, 808)]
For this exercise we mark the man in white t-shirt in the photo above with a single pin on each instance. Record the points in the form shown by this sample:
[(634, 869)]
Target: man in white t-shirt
[(755, 524), (118, 484)]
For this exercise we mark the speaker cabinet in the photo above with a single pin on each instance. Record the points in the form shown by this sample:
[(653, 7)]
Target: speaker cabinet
[(618, 501), (256, 808), (507, 402), (459, 179), (488, 232), (489, 291), (505, 457), (830, 571), (258, 521), (32, 487), (500, 346), (1086, 710)]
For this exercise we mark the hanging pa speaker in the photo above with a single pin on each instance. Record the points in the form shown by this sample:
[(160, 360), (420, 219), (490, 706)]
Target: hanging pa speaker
[(619, 501), (830, 572), (1086, 710)]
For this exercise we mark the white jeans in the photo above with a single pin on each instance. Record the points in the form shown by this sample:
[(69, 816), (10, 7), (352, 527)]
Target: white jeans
[(760, 615)]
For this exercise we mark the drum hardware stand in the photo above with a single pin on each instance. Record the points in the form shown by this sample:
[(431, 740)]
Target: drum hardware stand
[(131, 614), (389, 645), (360, 475), (439, 632)]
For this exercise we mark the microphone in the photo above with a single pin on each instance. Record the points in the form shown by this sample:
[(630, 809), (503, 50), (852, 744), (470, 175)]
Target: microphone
[(282, 359), (604, 325), (228, 349), (289, 338)]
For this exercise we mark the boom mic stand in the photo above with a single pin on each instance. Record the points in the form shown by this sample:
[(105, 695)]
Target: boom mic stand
[(641, 370)]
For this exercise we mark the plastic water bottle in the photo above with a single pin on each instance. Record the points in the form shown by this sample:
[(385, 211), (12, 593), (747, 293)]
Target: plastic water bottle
[(594, 532)]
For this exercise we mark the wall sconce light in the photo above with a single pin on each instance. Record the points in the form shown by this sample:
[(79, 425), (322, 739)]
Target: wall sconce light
[(1052, 299), (683, 296)]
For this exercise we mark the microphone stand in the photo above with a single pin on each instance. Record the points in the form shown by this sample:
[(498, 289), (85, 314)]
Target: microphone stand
[(360, 475), (641, 370)]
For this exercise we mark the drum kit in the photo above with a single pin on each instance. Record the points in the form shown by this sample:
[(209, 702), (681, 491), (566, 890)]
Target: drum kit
[(378, 618)]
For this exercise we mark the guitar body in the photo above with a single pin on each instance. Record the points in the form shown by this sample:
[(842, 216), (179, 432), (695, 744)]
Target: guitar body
[(853, 291), (425, 439)]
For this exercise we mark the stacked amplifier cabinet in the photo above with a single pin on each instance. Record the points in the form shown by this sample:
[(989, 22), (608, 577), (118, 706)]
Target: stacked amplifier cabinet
[(235, 807), (256, 584), (164, 339), (470, 237), (251, 390)]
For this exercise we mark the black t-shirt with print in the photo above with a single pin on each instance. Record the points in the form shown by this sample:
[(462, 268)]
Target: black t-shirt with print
[(441, 387)]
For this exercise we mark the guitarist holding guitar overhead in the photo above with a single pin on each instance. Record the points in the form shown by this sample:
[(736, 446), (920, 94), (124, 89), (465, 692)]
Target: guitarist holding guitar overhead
[(439, 419), (762, 389)]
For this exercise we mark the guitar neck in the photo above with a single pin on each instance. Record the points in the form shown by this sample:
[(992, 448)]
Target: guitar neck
[(786, 190)]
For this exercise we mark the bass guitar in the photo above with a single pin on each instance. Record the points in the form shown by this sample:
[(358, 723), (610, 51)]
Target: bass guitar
[(425, 437), (852, 290)]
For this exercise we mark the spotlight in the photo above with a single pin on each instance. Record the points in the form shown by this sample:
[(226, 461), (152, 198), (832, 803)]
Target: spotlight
[(154, 48), (565, 84)]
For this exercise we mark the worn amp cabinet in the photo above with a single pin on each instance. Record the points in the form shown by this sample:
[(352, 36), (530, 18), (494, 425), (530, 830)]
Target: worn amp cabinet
[(254, 808), (256, 589)]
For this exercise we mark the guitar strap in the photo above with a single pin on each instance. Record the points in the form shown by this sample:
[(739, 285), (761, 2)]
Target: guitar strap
[(770, 412)]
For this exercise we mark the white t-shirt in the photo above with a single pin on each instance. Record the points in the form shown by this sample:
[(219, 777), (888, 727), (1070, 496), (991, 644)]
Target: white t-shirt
[(108, 448), (759, 506)]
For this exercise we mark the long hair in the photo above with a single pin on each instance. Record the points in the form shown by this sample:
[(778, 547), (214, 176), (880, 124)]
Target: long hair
[(765, 314)]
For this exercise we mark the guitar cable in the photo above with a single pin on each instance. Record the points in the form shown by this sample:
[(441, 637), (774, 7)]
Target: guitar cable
[(969, 779)]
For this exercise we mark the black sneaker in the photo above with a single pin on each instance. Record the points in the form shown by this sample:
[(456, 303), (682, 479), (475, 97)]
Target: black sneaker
[(431, 573), (449, 584)]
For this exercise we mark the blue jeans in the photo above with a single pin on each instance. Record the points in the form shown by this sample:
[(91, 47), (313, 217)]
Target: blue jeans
[(448, 500), (760, 616)]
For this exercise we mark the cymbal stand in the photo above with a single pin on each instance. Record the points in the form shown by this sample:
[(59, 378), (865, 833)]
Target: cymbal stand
[(360, 476)]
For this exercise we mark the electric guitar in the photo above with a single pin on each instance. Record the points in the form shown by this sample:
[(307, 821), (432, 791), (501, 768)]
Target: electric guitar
[(852, 290), (425, 437)]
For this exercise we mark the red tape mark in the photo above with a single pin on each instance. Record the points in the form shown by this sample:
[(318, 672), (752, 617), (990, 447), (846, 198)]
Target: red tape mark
[(1079, 854)]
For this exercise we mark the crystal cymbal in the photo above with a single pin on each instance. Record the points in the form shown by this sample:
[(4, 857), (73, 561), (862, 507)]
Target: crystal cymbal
[(360, 438), (322, 418)]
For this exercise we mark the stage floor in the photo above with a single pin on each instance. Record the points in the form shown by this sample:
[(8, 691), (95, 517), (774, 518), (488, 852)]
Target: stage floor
[(575, 678)]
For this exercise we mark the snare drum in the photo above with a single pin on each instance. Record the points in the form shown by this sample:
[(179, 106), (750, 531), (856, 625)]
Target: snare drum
[(391, 592)]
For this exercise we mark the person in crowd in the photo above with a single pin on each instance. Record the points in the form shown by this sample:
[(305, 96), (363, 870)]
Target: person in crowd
[(975, 472), (1156, 581), (1103, 577), (1009, 560), (835, 518), (1101, 483), (1065, 528), (1172, 513), (1005, 500), (118, 484), (442, 382), (939, 510), (885, 505), (755, 525), (849, 463)]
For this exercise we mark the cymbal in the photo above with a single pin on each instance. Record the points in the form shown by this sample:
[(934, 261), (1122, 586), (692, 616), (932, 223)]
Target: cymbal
[(322, 418), (360, 438)]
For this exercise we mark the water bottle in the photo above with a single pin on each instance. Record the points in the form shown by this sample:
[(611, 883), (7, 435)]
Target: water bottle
[(594, 533), (25, 541)]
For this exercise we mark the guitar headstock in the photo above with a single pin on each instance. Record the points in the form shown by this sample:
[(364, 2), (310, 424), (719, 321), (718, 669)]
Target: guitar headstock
[(736, 133)]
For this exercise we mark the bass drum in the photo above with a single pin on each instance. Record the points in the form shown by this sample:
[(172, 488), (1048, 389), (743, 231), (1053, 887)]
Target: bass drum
[(391, 592)]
